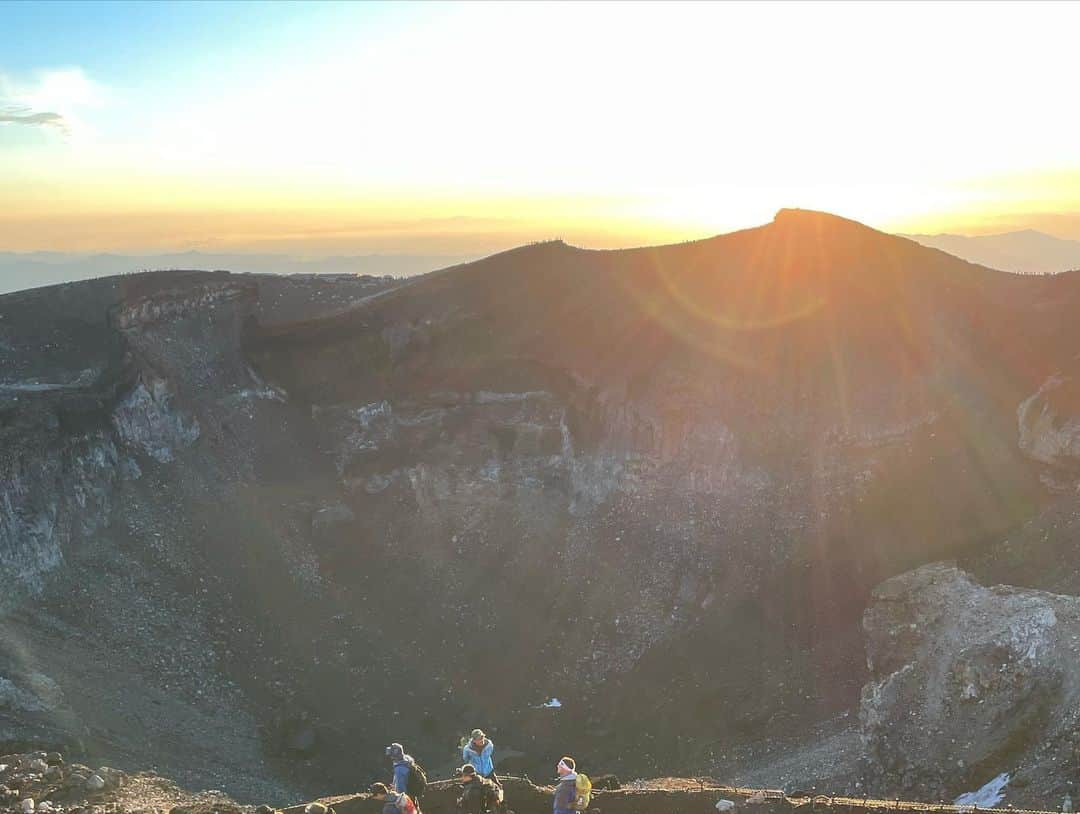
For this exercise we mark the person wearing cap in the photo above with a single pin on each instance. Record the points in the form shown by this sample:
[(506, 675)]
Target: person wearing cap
[(394, 802), (565, 787), (478, 794), (478, 751), (402, 764)]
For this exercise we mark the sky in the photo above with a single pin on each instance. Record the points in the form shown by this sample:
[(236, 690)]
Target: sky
[(463, 128)]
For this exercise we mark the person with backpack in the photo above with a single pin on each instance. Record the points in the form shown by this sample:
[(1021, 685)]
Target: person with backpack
[(409, 776), (565, 786), (573, 791), (478, 794), (394, 802)]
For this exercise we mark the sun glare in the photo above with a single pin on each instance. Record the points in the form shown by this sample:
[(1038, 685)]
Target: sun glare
[(624, 124)]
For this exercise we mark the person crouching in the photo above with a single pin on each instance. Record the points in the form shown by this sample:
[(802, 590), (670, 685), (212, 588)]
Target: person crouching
[(394, 802), (478, 794)]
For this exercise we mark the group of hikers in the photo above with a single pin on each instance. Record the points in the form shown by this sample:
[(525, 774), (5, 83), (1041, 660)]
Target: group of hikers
[(481, 790)]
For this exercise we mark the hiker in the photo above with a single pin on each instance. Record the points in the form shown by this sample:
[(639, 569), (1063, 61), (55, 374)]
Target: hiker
[(478, 752), (566, 787), (478, 794), (394, 802), (409, 776)]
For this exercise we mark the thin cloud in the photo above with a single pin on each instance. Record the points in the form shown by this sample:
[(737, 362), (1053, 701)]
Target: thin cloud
[(26, 116), (49, 99)]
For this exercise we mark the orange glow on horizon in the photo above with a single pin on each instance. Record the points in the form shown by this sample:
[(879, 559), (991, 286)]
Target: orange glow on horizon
[(459, 127)]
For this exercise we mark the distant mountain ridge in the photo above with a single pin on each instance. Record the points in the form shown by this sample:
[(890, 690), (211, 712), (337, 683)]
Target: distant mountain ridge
[(1026, 251), (19, 270)]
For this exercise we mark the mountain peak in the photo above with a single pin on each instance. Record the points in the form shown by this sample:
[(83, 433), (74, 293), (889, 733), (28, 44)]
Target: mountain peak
[(813, 217)]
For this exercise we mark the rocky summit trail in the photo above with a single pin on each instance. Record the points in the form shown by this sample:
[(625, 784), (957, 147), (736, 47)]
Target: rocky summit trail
[(43, 783), (659, 796)]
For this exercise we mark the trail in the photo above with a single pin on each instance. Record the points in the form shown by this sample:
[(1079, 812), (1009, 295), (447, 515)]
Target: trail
[(663, 796)]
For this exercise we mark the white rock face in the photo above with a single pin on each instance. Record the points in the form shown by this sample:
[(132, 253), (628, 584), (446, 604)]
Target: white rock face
[(149, 420), (52, 492), (1045, 433)]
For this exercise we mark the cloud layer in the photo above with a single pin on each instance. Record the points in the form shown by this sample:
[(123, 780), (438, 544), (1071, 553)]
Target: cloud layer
[(11, 114)]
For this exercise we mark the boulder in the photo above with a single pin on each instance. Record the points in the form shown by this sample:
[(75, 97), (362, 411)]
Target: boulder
[(968, 682), (112, 777)]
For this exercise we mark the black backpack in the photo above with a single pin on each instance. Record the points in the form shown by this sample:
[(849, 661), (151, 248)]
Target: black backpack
[(416, 784), (491, 796), (481, 797)]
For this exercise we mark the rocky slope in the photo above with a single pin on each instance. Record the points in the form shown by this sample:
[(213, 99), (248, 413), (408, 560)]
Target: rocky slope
[(658, 484), (44, 783)]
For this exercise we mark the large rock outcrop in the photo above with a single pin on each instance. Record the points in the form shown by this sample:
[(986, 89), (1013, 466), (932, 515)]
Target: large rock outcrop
[(968, 682)]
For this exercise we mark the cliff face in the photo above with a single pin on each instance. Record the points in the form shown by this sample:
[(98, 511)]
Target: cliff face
[(657, 484), (134, 430)]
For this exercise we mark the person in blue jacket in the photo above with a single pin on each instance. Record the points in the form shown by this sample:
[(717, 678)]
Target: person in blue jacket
[(478, 752), (566, 787), (402, 764)]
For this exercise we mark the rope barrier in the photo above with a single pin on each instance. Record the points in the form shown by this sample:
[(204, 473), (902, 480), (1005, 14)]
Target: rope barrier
[(866, 803)]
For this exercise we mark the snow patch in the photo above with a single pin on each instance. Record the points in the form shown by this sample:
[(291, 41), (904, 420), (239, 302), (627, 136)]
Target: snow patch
[(988, 796)]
